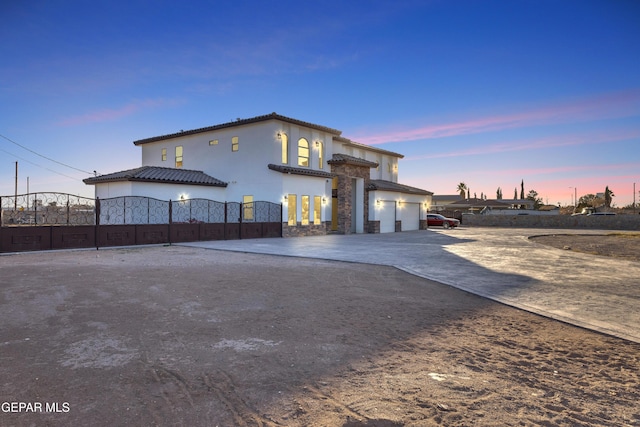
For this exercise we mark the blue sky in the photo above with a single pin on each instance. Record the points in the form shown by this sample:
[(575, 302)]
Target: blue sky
[(483, 92)]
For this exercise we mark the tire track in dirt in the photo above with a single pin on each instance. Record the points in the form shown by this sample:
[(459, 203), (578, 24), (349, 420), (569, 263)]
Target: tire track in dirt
[(226, 391)]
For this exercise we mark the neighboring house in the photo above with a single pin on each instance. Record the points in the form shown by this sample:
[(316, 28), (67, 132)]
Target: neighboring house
[(490, 205), (442, 201), (325, 182)]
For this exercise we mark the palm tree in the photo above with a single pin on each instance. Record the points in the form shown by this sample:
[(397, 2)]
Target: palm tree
[(608, 196), (462, 189)]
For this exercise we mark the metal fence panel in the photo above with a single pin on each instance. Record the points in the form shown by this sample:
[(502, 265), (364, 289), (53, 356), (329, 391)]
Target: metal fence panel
[(47, 209), (133, 210)]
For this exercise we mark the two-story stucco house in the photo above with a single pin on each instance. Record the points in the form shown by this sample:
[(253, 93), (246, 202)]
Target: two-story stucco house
[(324, 181)]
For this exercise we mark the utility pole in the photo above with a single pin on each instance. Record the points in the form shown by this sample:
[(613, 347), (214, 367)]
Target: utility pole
[(15, 200)]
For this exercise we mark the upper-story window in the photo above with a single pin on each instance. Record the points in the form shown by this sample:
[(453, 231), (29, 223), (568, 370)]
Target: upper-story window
[(303, 152), (164, 154), (234, 143), (213, 142), (179, 156), (285, 148), (320, 146)]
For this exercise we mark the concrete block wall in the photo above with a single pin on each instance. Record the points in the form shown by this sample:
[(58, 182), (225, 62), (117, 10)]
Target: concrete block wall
[(616, 222)]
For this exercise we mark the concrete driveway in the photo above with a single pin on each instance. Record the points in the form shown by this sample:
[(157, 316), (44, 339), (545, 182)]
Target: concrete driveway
[(594, 292)]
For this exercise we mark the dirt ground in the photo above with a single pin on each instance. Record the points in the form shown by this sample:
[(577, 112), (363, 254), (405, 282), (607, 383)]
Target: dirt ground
[(619, 245), (176, 336)]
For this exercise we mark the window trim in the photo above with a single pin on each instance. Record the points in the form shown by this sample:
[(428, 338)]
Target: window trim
[(285, 148), (247, 208), (304, 209), (179, 157), (317, 210), (303, 145), (292, 210), (320, 155), (163, 155)]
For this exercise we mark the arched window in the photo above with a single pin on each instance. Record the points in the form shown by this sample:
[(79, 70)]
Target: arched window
[(285, 148), (303, 152)]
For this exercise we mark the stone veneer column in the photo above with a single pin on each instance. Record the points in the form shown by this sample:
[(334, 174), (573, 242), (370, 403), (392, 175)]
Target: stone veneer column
[(346, 173)]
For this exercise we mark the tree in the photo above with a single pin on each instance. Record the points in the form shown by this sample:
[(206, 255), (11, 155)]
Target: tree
[(462, 188), (499, 193), (522, 189), (537, 201), (515, 194), (608, 196), (588, 200)]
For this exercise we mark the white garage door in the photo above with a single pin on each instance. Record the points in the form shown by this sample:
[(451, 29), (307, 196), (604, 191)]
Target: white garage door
[(387, 217), (410, 216)]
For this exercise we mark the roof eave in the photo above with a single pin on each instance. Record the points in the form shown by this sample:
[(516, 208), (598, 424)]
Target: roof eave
[(240, 122)]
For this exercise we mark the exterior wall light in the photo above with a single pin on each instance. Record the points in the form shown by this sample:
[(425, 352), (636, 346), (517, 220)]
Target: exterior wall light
[(378, 202), (279, 136), (324, 200)]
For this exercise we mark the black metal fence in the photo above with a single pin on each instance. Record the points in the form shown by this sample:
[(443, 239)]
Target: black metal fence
[(41, 221)]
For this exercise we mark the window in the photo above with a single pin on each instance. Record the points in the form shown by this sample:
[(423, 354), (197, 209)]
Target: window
[(291, 207), (303, 152), (179, 156), (213, 142), (247, 208), (234, 143), (164, 154), (317, 210), (305, 210), (320, 154), (285, 148), (389, 167)]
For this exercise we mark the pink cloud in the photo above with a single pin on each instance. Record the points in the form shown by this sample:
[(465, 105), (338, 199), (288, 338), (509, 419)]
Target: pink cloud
[(535, 144), (114, 114), (553, 171), (618, 104)]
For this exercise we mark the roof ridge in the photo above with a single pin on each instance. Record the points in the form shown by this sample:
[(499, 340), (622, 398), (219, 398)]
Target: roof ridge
[(239, 122)]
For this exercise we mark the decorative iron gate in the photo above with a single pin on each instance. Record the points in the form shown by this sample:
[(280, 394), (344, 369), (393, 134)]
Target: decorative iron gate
[(42, 221)]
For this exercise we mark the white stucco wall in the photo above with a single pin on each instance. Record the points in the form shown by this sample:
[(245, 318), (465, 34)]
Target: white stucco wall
[(246, 170), (159, 191)]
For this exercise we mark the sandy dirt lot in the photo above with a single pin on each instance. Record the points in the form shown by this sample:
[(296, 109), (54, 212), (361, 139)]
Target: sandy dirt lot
[(619, 245), (175, 336)]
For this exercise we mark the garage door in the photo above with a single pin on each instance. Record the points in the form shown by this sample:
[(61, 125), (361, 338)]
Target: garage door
[(410, 216), (387, 217)]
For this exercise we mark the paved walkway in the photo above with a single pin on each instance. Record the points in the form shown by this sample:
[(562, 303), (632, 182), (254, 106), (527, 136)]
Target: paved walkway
[(594, 292)]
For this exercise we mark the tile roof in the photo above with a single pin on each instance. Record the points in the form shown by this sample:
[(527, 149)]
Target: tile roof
[(239, 122), (159, 174), (379, 184), (339, 158), (463, 203), (351, 143), (300, 171)]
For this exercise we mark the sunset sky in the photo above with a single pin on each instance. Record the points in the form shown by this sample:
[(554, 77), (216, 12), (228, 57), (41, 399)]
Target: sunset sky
[(489, 93)]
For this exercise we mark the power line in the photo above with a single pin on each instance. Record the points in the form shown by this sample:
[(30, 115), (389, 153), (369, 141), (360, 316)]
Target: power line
[(40, 166), (44, 157)]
